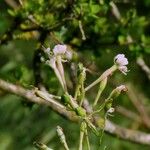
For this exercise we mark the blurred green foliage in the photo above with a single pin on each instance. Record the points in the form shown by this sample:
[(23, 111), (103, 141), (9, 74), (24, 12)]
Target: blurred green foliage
[(27, 25)]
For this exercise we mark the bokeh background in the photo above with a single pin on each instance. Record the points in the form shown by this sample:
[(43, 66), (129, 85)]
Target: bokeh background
[(95, 31)]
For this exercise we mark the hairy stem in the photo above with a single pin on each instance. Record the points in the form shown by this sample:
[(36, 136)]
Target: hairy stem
[(102, 77), (101, 88)]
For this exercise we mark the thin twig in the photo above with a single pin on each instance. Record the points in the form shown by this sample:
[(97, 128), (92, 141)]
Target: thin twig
[(143, 66), (128, 113), (82, 31), (134, 97), (12, 4), (101, 88), (41, 146), (115, 11)]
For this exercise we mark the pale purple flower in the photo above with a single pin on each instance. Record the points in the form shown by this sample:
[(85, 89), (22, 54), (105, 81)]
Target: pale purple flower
[(121, 61), (59, 49)]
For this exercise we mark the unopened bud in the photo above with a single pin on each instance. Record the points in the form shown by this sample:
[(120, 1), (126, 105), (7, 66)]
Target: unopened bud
[(116, 92), (62, 137), (60, 134), (80, 111), (65, 99)]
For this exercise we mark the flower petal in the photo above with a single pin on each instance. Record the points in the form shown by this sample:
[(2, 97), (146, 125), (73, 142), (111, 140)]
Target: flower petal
[(59, 49)]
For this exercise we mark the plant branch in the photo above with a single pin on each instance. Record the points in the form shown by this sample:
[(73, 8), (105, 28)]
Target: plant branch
[(134, 97), (129, 114), (143, 66), (31, 96), (111, 128)]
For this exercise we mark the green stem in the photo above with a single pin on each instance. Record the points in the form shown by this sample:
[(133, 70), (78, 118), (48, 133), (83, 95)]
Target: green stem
[(61, 71), (92, 127), (101, 88), (59, 78), (66, 146), (102, 133), (81, 140), (100, 109), (102, 77), (82, 94), (82, 31), (77, 91), (87, 139), (82, 132)]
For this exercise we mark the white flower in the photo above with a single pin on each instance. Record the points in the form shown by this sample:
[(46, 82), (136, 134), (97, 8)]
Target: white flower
[(121, 60), (59, 49), (111, 110)]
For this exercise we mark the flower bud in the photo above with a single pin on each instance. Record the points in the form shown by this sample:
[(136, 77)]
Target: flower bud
[(116, 92), (80, 111), (121, 88), (65, 99)]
